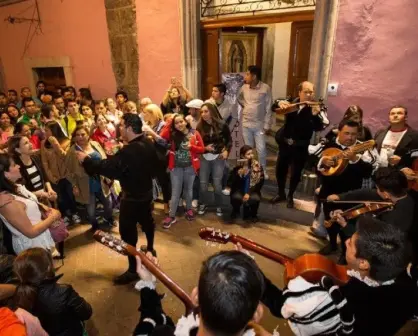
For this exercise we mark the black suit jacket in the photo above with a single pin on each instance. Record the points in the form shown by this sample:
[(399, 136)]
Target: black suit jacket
[(408, 142)]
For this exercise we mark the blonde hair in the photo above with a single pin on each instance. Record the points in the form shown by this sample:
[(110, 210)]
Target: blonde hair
[(130, 105), (155, 111), (168, 116)]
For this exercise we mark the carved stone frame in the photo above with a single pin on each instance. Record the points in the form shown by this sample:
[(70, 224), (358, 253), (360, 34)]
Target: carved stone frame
[(48, 62), (325, 24)]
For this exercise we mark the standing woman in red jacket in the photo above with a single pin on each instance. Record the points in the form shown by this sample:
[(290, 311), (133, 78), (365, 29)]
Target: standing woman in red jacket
[(105, 134), (183, 162)]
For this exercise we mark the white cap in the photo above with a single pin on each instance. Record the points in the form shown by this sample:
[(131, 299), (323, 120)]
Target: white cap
[(195, 103)]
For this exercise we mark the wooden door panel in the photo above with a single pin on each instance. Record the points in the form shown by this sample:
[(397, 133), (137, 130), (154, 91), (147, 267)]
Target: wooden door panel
[(210, 61), (300, 50)]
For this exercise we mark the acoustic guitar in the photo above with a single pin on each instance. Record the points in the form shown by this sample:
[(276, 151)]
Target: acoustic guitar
[(123, 248), (338, 156), (312, 267)]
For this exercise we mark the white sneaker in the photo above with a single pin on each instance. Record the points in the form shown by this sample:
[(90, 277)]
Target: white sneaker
[(226, 192), (195, 203), (266, 177), (219, 212)]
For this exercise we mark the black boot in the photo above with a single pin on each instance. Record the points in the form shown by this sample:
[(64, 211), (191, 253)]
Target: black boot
[(290, 202), (126, 278), (145, 250), (280, 197), (233, 216)]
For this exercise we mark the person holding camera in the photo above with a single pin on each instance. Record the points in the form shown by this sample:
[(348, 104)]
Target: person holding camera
[(245, 183)]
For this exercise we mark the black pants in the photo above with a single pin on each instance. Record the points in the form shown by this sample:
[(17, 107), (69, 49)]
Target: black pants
[(290, 156), (163, 178), (250, 207), (131, 213), (413, 234), (66, 201)]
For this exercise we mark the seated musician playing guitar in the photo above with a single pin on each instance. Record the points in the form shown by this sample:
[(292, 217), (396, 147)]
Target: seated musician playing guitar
[(229, 295), (379, 298)]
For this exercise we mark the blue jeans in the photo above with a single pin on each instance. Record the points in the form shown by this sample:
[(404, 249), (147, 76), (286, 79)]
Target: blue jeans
[(181, 180), (216, 168), (91, 208), (255, 137)]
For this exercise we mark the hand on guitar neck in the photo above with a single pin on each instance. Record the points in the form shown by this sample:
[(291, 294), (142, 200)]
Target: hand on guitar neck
[(142, 271)]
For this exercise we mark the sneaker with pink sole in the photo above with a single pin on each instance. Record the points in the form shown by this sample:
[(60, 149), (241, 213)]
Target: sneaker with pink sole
[(190, 215), (168, 222)]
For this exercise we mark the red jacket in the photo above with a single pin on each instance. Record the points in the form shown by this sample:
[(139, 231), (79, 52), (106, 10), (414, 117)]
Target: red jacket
[(101, 138), (196, 147)]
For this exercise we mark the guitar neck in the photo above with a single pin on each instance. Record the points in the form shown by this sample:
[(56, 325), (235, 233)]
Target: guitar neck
[(164, 278), (356, 149), (363, 146), (260, 249)]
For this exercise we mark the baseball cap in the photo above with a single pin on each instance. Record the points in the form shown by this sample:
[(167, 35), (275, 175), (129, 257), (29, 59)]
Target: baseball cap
[(195, 103)]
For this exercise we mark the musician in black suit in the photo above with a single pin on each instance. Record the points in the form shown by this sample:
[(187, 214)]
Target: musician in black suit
[(359, 166), (398, 139), (294, 138)]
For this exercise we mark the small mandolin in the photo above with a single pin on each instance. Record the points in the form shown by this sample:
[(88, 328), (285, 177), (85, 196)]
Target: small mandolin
[(123, 248), (312, 267), (338, 156)]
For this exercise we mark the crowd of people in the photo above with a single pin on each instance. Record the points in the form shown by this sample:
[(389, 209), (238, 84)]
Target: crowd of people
[(66, 157)]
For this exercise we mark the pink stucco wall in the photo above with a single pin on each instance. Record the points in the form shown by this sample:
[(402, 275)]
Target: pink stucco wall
[(74, 28), (375, 59), (159, 45)]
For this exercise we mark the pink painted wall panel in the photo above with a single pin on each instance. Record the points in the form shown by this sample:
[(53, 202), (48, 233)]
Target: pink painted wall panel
[(376, 59), (159, 45), (73, 28)]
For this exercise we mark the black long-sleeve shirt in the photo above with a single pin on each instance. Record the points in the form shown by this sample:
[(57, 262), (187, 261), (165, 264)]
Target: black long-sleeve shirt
[(300, 125), (135, 165), (401, 216)]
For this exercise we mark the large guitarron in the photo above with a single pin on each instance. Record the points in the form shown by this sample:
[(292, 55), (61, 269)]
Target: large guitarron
[(338, 156)]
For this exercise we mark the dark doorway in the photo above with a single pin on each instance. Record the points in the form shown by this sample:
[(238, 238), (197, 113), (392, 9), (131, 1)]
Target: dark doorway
[(53, 77)]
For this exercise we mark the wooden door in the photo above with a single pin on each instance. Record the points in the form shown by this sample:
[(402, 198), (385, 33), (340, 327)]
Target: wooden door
[(210, 61), (300, 51)]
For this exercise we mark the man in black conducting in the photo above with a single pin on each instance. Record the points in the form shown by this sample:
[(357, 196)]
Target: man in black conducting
[(134, 167)]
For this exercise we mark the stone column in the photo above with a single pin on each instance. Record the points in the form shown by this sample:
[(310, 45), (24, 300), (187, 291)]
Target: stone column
[(191, 50), (323, 39), (122, 30)]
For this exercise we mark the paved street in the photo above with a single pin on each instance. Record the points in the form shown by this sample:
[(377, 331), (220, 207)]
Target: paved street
[(90, 267)]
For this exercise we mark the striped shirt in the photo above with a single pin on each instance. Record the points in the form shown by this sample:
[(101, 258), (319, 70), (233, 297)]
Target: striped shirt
[(34, 177)]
